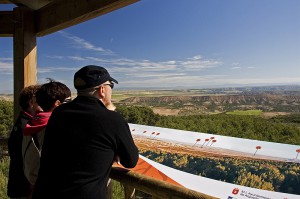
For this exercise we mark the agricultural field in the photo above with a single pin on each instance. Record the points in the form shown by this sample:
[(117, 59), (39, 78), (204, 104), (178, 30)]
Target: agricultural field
[(246, 112)]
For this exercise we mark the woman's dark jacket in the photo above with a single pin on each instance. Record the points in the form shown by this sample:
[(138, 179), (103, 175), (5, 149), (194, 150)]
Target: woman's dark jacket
[(18, 185)]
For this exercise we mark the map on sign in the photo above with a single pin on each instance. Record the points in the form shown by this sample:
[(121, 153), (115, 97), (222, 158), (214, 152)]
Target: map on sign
[(195, 142)]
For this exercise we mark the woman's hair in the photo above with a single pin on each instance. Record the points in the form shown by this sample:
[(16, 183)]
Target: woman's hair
[(28, 94), (49, 92)]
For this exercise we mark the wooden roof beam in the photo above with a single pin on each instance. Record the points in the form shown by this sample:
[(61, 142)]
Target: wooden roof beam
[(5, 2), (32, 4), (6, 23), (63, 14)]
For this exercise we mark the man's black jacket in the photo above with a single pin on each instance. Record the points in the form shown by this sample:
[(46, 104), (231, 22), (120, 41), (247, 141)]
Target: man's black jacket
[(81, 139)]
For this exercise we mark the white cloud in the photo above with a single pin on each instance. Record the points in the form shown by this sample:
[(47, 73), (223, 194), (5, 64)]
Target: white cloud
[(197, 57), (186, 72), (6, 66), (96, 59), (178, 80), (190, 64), (155, 75), (171, 62), (6, 59), (235, 64), (83, 44), (56, 69), (162, 73), (120, 64), (270, 80), (76, 58), (197, 63), (203, 81), (55, 57)]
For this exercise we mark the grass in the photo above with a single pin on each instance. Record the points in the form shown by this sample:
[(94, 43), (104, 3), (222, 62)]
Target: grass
[(4, 167), (246, 112), (118, 190)]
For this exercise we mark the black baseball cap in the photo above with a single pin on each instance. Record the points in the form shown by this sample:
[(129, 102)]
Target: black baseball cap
[(90, 76)]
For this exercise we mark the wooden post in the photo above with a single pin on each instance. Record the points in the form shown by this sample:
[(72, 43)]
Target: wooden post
[(129, 192), (25, 60), (109, 189)]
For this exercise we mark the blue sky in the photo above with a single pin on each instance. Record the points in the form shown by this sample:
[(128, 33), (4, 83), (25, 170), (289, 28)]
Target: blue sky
[(176, 44)]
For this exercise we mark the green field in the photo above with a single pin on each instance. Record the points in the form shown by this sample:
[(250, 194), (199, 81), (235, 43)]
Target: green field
[(246, 112)]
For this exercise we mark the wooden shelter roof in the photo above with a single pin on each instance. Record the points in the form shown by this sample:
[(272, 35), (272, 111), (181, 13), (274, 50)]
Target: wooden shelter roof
[(54, 15)]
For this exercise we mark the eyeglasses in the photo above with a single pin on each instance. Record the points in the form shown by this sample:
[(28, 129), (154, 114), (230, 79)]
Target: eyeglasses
[(111, 85)]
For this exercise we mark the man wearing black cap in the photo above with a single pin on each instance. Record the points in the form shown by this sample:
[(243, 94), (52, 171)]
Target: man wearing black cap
[(83, 139)]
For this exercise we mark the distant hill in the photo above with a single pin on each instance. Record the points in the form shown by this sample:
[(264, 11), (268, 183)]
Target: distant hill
[(279, 101), (257, 89), (280, 98), (6, 97)]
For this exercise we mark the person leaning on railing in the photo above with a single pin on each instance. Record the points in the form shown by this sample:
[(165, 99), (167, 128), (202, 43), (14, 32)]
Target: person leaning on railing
[(82, 140)]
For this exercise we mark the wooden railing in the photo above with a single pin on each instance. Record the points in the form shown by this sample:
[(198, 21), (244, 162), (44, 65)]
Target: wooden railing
[(134, 181), (156, 188)]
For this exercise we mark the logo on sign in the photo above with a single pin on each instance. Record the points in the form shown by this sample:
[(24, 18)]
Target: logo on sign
[(235, 191)]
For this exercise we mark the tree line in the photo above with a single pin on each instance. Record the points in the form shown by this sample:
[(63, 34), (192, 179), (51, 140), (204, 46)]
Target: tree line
[(262, 174), (281, 129)]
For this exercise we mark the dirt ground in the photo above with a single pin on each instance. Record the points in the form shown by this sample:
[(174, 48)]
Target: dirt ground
[(165, 111), (273, 114)]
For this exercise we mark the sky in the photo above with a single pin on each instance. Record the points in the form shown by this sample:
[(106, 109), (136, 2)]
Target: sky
[(174, 44)]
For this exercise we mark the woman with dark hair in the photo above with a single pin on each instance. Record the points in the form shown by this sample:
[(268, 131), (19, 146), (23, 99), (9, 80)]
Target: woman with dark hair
[(18, 186), (49, 96)]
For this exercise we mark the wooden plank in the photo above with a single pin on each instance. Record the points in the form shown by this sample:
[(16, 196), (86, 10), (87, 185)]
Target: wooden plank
[(109, 191), (6, 23), (25, 60), (66, 13)]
